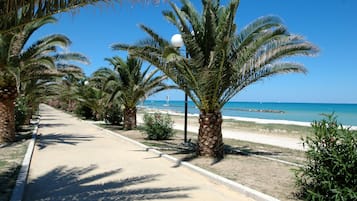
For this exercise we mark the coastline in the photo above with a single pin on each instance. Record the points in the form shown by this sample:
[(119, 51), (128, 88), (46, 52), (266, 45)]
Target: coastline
[(245, 119), (231, 131)]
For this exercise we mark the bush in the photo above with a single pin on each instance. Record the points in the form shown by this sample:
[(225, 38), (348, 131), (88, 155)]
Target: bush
[(20, 112), (84, 111), (331, 169), (158, 126), (113, 115)]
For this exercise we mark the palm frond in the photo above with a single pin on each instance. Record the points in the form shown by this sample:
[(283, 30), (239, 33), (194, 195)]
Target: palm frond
[(77, 57), (220, 62), (16, 14), (159, 40), (268, 70), (126, 82)]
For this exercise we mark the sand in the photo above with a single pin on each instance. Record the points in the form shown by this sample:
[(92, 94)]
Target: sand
[(275, 140)]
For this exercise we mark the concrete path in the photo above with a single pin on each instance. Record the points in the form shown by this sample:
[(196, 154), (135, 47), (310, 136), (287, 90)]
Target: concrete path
[(77, 161)]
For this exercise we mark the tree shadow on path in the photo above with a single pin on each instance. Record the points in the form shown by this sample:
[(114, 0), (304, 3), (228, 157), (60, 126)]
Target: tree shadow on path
[(43, 125), (73, 184), (54, 138)]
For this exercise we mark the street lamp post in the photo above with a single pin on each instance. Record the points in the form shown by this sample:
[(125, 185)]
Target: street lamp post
[(176, 41)]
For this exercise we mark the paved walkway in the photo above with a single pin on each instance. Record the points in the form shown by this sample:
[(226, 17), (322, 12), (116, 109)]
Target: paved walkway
[(77, 161)]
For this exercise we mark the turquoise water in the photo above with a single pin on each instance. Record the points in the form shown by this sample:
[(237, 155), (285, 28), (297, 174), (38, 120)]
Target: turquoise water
[(304, 112)]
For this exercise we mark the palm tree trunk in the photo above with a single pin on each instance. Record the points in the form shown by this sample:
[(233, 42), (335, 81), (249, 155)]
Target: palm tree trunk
[(129, 118), (210, 142), (7, 114), (29, 114)]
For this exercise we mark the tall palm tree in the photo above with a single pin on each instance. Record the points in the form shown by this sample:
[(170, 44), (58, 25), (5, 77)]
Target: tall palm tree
[(19, 65), (129, 85), (11, 44), (221, 61)]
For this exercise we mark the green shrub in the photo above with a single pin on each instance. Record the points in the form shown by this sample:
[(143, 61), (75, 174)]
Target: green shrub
[(158, 126), (113, 115), (20, 112), (84, 111), (331, 169)]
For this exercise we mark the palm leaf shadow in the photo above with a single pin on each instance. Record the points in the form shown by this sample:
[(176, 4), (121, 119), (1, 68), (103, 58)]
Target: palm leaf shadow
[(246, 151), (189, 150), (54, 138), (72, 184)]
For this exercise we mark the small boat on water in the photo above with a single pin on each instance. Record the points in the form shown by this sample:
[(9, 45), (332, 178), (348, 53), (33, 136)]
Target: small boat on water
[(167, 101)]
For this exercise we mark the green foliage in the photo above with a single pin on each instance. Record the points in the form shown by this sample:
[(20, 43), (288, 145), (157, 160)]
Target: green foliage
[(217, 52), (158, 126), (126, 82), (84, 111), (14, 14), (330, 172), (113, 114), (20, 112), (90, 102)]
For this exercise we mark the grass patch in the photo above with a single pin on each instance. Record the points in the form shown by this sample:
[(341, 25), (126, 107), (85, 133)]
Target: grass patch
[(11, 156), (2, 164)]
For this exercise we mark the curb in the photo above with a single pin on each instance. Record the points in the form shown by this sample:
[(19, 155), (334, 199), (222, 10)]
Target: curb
[(259, 196), (19, 189)]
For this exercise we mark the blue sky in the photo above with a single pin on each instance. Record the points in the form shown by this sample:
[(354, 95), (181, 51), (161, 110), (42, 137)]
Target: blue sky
[(331, 25)]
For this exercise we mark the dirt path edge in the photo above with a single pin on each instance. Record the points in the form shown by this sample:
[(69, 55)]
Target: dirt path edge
[(19, 189)]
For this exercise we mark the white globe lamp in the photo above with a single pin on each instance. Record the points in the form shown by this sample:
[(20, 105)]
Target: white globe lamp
[(176, 40)]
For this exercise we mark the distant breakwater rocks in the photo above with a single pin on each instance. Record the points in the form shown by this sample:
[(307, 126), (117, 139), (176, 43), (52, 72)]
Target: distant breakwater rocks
[(259, 110)]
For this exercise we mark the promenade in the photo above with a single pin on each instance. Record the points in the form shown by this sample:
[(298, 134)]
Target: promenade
[(74, 160)]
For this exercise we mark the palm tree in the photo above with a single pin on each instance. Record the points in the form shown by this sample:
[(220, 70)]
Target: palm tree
[(68, 90), (129, 85), (221, 61), (11, 45), (92, 101), (19, 67), (42, 67)]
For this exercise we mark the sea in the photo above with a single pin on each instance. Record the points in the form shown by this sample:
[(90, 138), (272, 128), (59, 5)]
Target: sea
[(300, 112)]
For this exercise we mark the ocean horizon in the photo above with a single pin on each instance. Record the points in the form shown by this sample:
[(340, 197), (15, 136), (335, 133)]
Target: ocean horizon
[(302, 112)]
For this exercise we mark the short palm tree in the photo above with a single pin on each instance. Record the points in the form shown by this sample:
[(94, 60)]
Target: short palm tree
[(68, 91), (129, 85), (221, 60), (90, 97)]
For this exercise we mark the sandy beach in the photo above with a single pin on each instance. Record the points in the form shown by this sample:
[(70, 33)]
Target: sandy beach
[(232, 132), (246, 119), (276, 137)]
